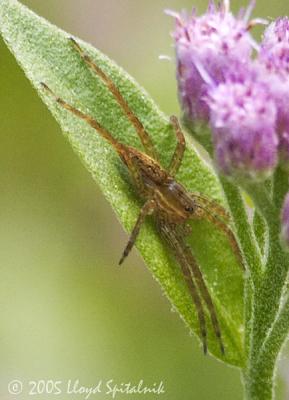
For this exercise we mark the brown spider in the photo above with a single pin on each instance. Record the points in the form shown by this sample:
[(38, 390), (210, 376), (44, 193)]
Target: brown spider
[(164, 197)]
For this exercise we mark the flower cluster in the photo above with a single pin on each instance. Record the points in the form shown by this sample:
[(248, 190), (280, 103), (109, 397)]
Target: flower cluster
[(238, 86), (243, 115), (204, 46), (274, 56)]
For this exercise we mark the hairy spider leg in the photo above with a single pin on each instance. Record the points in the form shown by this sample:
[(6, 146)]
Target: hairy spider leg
[(173, 241), (229, 233), (180, 148), (197, 274), (213, 205), (121, 149), (206, 213), (147, 209), (91, 121), (142, 133)]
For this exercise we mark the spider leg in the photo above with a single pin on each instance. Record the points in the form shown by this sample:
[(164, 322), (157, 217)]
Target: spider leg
[(142, 133), (119, 147), (205, 213), (91, 121), (196, 272), (213, 205), (147, 209), (180, 148), (175, 245)]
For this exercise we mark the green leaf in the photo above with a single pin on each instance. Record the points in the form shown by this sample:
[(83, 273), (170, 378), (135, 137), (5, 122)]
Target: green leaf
[(45, 54)]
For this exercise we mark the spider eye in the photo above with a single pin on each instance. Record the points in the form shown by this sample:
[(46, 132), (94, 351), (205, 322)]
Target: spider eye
[(189, 209)]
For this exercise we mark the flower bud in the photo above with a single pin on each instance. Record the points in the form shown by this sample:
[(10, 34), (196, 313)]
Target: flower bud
[(205, 46), (274, 55), (243, 118), (274, 51)]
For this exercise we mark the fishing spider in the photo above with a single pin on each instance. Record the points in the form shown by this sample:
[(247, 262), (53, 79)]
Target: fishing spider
[(164, 197)]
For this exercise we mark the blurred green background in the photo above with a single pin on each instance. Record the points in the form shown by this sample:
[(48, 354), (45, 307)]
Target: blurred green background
[(66, 310)]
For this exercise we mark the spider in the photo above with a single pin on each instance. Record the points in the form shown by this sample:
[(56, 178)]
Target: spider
[(171, 204)]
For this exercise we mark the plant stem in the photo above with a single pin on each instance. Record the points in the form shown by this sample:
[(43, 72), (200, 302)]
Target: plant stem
[(244, 230), (278, 334), (280, 187), (268, 294), (260, 229), (258, 382), (270, 324)]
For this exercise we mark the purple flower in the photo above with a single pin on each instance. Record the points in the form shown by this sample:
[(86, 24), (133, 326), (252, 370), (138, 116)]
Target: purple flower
[(205, 46), (243, 119), (274, 56), (285, 222), (274, 51)]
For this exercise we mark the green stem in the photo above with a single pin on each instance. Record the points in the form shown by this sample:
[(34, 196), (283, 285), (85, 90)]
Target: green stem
[(278, 334), (259, 378), (244, 230), (259, 381), (268, 332), (268, 294), (260, 230), (249, 301), (280, 187)]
